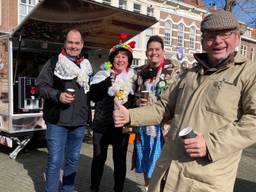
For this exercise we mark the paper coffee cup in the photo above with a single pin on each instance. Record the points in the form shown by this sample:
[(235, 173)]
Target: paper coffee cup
[(113, 75), (70, 91), (144, 94), (187, 133)]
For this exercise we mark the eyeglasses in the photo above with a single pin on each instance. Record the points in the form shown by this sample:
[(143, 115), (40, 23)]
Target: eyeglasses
[(222, 35)]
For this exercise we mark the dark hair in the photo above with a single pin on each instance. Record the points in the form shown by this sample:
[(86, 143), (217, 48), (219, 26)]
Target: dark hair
[(156, 38), (114, 53)]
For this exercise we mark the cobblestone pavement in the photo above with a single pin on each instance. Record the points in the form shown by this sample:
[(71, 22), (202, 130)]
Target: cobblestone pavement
[(25, 174)]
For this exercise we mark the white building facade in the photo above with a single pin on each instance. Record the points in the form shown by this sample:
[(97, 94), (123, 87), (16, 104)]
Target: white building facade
[(179, 26)]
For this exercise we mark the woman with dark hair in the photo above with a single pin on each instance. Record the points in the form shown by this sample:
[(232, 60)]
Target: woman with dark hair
[(113, 83), (152, 79)]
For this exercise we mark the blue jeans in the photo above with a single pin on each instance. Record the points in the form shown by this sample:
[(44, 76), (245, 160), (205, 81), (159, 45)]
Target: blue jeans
[(62, 142)]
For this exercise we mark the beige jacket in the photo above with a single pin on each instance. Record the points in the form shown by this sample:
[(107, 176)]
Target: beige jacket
[(223, 107)]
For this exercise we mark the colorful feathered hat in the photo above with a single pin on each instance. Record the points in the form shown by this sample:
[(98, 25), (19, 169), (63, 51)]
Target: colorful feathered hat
[(121, 45)]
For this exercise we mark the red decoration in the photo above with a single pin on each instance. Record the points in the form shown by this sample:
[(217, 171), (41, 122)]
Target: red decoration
[(33, 90), (120, 44), (132, 44), (123, 36)]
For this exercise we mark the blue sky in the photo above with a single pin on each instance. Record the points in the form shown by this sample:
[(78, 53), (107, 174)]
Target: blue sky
[(245, 10)]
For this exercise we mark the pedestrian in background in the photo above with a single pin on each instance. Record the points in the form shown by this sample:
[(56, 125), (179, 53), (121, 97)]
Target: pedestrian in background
[(64, 84), (217, 99)]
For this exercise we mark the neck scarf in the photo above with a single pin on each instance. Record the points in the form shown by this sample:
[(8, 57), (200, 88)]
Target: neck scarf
[(66, 69), (124, 81), (152, 71)]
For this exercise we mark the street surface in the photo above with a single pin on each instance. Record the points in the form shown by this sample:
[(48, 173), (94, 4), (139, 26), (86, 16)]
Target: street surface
[(25, 174)]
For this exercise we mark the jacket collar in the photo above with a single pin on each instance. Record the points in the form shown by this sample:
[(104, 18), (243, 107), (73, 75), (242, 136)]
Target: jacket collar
[(77, 60), (234, 59)]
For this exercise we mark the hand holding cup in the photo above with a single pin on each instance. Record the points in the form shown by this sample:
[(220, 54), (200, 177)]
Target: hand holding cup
[(112, 76), (194, 143), (68, 96)]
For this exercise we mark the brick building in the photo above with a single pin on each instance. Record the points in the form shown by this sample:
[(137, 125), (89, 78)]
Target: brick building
[(13, 12), (179, 25), (248, 44), (180, 28)]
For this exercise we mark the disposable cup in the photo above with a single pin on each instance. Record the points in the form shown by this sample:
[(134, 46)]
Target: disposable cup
[(144, 94), (70, 91), (187, 133)]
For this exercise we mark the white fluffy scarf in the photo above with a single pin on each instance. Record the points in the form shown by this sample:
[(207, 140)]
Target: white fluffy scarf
[(67, 70), (124, 81)]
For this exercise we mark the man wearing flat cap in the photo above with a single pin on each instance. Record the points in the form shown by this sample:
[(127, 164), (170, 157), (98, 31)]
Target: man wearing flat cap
[(217, 99)]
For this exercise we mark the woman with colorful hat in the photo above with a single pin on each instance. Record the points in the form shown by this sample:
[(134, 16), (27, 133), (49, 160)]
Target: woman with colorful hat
[(113, 83)]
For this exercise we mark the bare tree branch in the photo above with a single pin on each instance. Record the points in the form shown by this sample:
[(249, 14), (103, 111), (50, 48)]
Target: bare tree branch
[(229, 5)]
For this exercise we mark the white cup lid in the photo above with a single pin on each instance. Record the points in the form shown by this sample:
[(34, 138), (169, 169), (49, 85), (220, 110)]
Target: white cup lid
[(70, 90), (185, 131)]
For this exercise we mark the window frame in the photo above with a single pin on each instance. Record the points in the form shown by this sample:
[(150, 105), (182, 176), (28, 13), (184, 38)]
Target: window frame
[(135, 62), (28, 5), (137, 10), (252, 54), (192, 37), (243, 50), (167, 33), (108, 2), (123, 4), (180, 35), (150, 11)]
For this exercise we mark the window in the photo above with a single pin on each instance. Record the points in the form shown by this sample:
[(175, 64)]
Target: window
[(150, 11), (135, 62), (136, 8), (148, 34), (107, 2), (243, 50), (252, 54), (167, 33), (247, 33), (192, 37), (180, 35), (123, 4), (25, 6)]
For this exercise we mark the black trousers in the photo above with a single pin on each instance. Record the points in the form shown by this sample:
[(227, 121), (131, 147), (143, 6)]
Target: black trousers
[(101, 141)]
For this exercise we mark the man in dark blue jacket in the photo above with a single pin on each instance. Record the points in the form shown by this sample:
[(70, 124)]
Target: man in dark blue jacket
[(64, 83)]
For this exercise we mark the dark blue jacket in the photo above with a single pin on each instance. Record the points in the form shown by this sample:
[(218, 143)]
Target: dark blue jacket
[(50, 86)]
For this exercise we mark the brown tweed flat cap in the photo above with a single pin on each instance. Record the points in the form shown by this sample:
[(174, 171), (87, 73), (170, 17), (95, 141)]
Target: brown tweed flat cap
[(219, 20)]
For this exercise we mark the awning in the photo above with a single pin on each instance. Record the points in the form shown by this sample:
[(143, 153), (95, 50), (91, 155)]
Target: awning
[(99, 24)]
